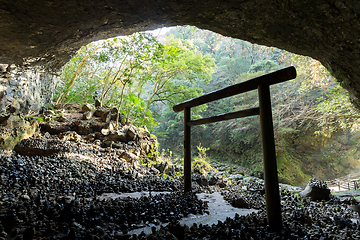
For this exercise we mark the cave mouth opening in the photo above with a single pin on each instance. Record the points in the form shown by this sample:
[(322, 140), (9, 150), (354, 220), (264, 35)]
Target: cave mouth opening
[(304, 140)]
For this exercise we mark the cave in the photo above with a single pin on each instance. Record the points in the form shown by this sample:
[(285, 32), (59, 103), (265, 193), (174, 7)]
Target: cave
[(39, 37)]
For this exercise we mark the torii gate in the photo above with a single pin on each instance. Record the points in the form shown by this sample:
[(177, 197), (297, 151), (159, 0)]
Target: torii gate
[(262, 84)]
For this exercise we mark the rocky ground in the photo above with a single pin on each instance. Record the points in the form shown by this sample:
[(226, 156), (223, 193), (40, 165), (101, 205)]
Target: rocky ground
[(52, 186)]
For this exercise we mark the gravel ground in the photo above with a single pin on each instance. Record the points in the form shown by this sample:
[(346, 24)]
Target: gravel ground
[(57, 197)]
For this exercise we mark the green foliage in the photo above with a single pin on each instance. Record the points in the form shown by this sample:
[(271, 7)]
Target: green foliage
[(337, 112), (264, 65), (133, 72), (40, 119), (296, 113), (200, 164), (144, 79)]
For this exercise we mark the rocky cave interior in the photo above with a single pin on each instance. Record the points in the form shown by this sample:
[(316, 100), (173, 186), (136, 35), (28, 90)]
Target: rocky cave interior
[(38, 37), (46, 34)]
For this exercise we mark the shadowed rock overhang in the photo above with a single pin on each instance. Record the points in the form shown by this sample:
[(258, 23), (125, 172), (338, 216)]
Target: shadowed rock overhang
[(49, 32)]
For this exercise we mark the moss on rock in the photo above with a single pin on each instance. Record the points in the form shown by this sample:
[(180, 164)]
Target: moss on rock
[(14, 129)]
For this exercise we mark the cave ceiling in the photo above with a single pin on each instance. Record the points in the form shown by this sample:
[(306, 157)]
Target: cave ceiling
[(49, 32)]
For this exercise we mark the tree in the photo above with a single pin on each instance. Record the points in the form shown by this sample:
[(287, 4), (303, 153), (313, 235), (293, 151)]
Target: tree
[(181, 66), (133, 72)]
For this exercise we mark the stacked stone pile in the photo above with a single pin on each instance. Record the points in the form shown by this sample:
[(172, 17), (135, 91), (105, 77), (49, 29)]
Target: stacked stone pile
[(88, 125)]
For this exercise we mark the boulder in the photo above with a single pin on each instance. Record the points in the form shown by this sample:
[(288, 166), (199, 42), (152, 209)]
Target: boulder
[(14, 129), (240, 202), (110, 126), (53, 128), (160, 166), (96, 126), (316, 191), (144, 132), (61, 119), (356, 208), (127, 134), (129, 157), (105, 132), (97, 103), (39, 147), (221, 183), (121, 117), (145, 147), (302, 217), (132, 132), (90, 137), (213, 180), (107, 143), (342, 222)]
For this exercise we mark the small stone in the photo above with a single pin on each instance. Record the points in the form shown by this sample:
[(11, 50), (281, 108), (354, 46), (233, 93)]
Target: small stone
[(169, 169), (240, 203), (97, 103), (106, 117), (87, 115), (105, 131), (25, 197), (61, 119), (86, 108), (118, 136), (131, 132), (99, 112)]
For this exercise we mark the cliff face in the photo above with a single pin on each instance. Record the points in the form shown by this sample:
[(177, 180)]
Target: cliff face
[(48, 32)]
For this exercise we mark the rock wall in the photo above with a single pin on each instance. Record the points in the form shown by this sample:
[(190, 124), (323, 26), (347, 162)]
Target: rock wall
[(49, 32), (24, 90)]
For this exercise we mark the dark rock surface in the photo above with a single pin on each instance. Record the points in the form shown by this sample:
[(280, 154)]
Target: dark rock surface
[(49, 32), (316, 190), (40, 147)]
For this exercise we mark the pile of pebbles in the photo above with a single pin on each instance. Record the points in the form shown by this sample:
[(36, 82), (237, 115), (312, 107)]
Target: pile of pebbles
[(59, 196), (57, 193), (302, 219)]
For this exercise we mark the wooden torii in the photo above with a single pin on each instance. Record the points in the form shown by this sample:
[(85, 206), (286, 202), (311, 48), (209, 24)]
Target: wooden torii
[(262, 84)]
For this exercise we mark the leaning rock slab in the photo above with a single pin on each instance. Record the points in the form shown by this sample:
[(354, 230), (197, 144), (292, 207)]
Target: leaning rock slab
[(39, 147), (316, 192)]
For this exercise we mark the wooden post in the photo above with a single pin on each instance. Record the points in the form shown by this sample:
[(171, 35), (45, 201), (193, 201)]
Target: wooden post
[(187, 150), (273, 207)]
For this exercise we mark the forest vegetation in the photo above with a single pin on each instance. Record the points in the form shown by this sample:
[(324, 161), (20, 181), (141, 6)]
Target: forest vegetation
[(315, 125)]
